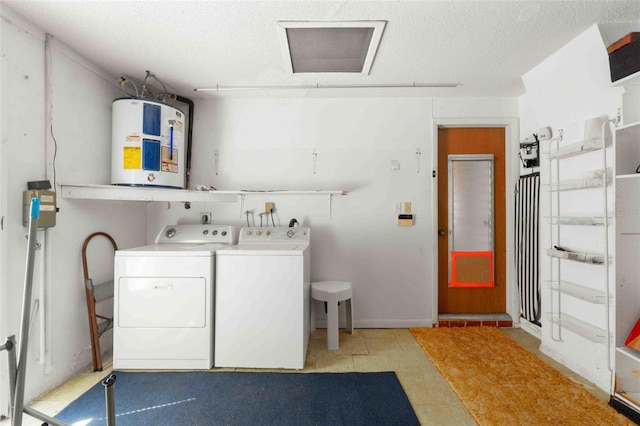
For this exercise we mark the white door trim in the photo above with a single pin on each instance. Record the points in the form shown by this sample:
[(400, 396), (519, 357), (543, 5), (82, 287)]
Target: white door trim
[(4, 282), (510, 124)]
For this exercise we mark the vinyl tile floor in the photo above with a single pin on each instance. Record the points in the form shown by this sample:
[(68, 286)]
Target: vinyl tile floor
[(433, 400)]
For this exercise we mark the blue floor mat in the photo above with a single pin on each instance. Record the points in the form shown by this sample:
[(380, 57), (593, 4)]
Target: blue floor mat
[(238, 398)]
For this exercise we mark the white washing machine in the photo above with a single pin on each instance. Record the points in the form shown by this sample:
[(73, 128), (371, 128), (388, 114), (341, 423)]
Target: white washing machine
[(263, 299), (163, 299)]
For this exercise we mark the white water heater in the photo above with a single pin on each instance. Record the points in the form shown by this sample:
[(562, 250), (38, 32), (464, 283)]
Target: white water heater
[(147, 144)]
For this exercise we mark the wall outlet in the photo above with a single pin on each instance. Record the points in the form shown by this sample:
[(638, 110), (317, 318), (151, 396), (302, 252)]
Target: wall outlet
[(405, 220), (269, 207), (205, 218)]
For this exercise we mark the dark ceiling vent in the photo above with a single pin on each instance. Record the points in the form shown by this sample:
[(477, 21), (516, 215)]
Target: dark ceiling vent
[(330, 47)]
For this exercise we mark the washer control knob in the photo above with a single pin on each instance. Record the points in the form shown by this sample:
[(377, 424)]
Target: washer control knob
[(215, 232), (224, 233), (170, 233), (267, 233), (258, 233), (249, 232), (290, 233), (205, 232)]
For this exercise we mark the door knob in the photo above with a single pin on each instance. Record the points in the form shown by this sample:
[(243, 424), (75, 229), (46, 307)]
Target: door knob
[(441, 232)]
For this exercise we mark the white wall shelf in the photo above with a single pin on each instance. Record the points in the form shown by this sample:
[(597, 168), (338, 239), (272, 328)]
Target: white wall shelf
[(137, 193), (628, 141), (629, 353), (573, 184), (590, 295), (629, 176), (575, 148), (130, 193), (630, 80), (583, 257), (577, 220), (579, 327)]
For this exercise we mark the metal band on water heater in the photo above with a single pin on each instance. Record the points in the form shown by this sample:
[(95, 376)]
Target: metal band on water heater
[(147, 144)]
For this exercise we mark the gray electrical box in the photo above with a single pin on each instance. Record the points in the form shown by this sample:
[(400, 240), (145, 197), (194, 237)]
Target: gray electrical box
[(48, 208)]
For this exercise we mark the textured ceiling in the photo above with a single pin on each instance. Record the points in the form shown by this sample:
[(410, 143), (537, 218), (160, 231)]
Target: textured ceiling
[(484, 45)]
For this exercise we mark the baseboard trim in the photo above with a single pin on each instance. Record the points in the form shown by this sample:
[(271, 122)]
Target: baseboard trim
[(574, 367), (531, 328), (386, 323)]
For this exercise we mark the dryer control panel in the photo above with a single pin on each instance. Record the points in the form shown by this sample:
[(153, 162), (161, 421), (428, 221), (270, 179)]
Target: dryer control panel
[(196, 234), (274, 234)]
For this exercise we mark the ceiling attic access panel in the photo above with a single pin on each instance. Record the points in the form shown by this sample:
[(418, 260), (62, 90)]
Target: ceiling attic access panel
[(330, 47)]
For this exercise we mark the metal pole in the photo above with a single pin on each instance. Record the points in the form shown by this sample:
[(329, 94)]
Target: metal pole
[(110, 399), (18, 400), (49, 421), (10, 347)]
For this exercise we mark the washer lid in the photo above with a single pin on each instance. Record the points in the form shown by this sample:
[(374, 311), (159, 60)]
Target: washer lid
[(172, 250)]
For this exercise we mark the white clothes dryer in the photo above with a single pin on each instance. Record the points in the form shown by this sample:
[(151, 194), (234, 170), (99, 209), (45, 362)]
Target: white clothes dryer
[(163, 299), (263, 299)]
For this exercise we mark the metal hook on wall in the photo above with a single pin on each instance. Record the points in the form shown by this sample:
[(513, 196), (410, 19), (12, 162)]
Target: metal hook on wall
[(315, 160)]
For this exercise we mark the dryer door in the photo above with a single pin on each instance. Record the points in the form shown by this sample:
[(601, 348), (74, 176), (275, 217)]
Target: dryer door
[(151, 302)]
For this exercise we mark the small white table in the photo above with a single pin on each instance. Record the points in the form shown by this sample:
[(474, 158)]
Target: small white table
[(333, 292)]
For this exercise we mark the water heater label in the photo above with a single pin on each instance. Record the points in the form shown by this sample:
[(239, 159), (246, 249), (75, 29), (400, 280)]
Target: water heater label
[(133, 138), (169, 164), (131, 157)]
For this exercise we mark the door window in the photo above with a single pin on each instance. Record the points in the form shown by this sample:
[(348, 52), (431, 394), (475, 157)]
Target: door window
[(471, 233)]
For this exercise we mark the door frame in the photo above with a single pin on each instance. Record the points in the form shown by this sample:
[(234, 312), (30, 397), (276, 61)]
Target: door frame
[(5, 397), (512, 170)]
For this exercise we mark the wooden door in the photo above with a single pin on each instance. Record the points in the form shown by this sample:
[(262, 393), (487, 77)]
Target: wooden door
[(482, 300)]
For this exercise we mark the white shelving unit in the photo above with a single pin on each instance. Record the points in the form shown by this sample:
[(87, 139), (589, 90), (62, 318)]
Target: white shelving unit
[(627, 265), (562, 288)]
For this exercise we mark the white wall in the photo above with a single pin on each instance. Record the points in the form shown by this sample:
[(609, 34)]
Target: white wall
[(22, 92), (81, 114), (267, 144), (564, 91)]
